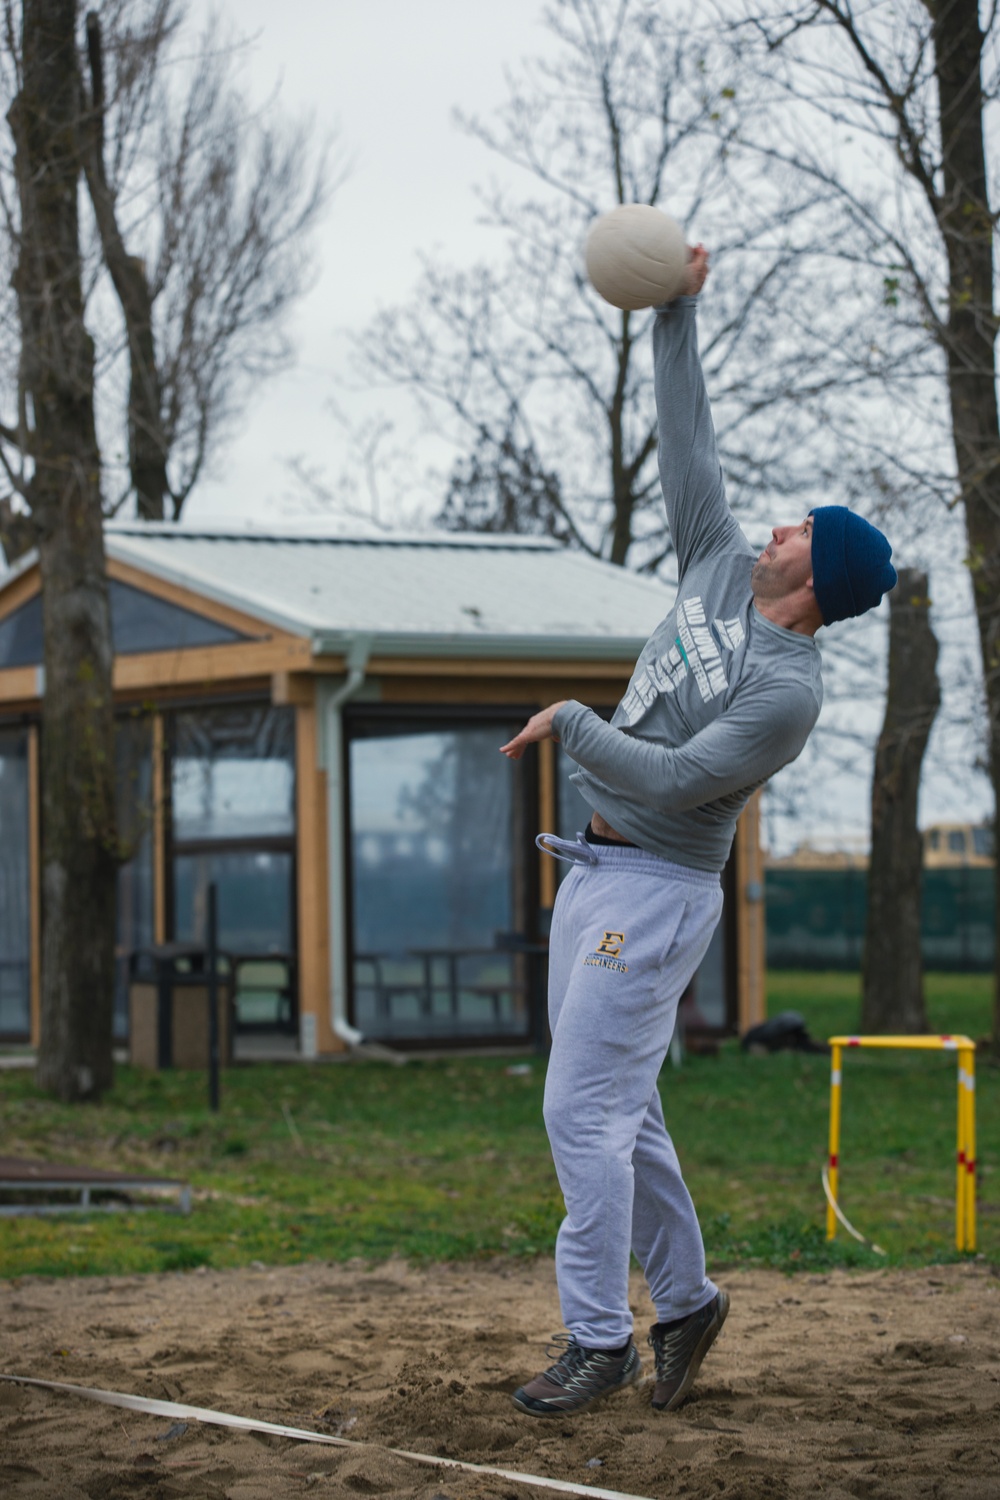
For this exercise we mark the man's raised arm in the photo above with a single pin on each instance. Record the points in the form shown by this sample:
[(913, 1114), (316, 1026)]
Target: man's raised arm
[(698, 513)]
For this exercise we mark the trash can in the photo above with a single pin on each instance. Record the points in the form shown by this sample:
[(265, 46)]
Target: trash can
[(168, 1007)]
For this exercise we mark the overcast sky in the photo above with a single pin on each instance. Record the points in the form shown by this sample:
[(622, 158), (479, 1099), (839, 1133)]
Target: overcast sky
[(386, 76)]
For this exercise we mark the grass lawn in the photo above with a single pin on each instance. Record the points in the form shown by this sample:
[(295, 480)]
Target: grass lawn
[(448, 1159)]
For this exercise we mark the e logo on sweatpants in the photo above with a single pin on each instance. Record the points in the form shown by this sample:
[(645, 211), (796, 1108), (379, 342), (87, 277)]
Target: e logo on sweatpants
[(606, 954)]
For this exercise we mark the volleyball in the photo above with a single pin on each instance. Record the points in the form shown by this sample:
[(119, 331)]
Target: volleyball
[(636, 257)]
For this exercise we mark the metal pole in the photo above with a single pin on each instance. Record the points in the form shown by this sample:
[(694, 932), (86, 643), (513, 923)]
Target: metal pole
[(967, 1101), (213, 998), (965, 1188), (960, 1157), (833, 1170)]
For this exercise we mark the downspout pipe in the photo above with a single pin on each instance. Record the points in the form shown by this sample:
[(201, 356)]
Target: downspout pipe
[(356, 661)]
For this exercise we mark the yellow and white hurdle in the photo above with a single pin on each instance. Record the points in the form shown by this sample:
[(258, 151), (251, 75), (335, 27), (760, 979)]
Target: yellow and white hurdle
[(965, 1189)]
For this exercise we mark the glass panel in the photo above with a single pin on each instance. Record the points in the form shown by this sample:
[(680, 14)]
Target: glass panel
[(134, 792), (141, 622), (233, 773), (573, 812), (265, 995), (436, 861), (21, 636), (15, 894), (255, 899), (982, 842)]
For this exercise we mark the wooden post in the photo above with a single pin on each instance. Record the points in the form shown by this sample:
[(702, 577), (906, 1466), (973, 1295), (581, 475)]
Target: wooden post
[(751, 1001), (35, 887), (213, 996), (316, 1034), (159, 833)]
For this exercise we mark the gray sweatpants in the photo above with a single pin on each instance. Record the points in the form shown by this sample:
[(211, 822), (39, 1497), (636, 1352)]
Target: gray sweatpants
[(628, 932)]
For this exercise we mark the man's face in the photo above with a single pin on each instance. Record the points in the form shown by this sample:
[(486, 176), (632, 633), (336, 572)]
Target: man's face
[(786, 562)]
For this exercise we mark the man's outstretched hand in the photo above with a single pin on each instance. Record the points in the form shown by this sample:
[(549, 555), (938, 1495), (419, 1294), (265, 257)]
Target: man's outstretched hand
[(538, 727), (696, 271)]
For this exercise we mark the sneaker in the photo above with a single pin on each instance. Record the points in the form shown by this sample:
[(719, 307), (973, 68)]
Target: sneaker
[(679, 1351), (578, 1378)]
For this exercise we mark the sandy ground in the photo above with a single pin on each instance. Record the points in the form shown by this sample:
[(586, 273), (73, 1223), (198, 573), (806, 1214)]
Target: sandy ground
[(863, 1386)]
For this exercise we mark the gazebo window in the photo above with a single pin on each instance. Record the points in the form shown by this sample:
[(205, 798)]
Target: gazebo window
[(232, 794), (21, 636), (142, 622), (233, 773), (139, 622), (255, 899), (440, 862)]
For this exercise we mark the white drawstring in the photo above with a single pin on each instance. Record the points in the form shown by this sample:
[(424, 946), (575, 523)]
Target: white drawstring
[(578, 853)]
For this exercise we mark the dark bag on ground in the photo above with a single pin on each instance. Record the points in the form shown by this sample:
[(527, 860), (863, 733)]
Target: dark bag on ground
[(786, 1032)]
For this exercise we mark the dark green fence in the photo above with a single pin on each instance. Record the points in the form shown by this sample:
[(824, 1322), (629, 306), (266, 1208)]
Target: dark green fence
[(816, 919)]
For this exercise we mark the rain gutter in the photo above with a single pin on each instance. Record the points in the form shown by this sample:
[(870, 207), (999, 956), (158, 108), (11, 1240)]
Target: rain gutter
[(358, 650), (540, 646)]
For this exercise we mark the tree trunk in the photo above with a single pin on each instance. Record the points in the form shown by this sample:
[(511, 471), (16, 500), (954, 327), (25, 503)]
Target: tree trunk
[(967, 227), (892, 971), (79, 846)]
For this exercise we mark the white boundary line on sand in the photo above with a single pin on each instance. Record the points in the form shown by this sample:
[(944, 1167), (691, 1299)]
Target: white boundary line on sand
[(250, 1424)]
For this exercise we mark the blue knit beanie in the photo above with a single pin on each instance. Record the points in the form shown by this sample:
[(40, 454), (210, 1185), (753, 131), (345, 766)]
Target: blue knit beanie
[(850, 562)]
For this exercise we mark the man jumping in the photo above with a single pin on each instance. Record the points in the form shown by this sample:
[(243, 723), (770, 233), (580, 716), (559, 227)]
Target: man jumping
[(725, 692)]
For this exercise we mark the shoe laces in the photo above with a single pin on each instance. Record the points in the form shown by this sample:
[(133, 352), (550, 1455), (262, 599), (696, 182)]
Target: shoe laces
[(668, 1351), (568, 1356), (572, 1358)]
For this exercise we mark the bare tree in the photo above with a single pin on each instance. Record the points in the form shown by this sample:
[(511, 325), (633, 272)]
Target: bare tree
[(536, 380), (501, 487), (883, 108), (57, 438), (169, 297), (202, 208)]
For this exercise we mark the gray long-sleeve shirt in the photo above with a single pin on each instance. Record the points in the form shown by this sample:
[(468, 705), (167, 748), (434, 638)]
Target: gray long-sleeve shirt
[(720, 698)]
